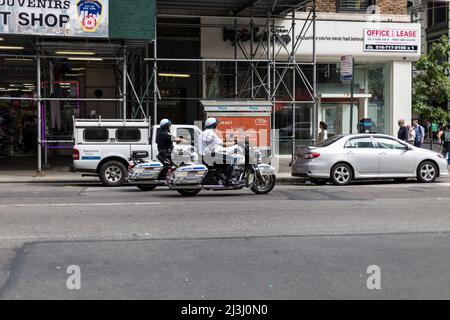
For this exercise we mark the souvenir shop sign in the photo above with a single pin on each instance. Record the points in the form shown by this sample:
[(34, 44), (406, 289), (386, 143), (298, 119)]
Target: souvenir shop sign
[(69, 18)]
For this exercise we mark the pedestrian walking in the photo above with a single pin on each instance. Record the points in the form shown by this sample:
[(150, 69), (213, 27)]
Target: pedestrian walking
[(420, 134), (411, 134), (446, 143), (323, 134), (402, 131), (439, 138)]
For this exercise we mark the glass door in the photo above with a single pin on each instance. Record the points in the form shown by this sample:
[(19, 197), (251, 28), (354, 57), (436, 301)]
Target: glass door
[(337, 118)]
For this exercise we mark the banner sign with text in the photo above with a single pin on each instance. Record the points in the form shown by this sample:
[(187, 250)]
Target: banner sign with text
[(67, 18), (397, 40)]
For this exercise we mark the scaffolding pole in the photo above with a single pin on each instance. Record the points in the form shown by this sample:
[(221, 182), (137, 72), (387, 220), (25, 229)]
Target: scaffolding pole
[(124, 93), (39, 111)]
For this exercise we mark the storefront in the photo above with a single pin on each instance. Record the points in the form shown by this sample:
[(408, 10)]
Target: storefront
[(383, 53), (66, 59)]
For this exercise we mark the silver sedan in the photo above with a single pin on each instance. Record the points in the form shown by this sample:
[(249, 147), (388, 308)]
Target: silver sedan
[(342, 159)]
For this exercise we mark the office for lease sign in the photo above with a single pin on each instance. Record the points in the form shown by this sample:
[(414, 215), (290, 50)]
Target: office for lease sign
[(71, 18), (394, 40)]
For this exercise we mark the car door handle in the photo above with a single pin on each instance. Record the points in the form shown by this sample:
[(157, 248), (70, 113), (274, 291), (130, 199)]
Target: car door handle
[(383, 154), (350, 153)]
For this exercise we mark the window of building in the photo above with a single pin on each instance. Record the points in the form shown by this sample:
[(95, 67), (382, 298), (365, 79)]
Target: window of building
[(128, 135), (354, 5), (437, 13), (96, 135)]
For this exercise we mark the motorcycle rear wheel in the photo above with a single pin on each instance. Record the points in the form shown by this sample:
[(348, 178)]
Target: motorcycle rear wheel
[(146, 187), (264, 187), (188, 192)]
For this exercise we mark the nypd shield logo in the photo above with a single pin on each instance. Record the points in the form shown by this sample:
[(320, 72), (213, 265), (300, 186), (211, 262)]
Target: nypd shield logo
[(90, 13)]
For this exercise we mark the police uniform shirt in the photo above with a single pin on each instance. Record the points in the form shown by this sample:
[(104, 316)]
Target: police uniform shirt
[(165, 140), (209, 140)]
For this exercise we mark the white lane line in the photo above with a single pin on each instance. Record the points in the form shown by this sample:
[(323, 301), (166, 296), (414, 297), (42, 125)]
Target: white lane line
[(109, 204)]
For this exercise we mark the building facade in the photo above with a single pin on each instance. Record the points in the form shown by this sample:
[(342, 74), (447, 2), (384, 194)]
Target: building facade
[(382, 74), (161, 59)]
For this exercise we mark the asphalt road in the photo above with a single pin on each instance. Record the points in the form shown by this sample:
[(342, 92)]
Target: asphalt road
[(298, 242)]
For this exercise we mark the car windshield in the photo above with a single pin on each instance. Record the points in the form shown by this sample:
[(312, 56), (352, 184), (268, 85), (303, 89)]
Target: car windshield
[(328, 142)]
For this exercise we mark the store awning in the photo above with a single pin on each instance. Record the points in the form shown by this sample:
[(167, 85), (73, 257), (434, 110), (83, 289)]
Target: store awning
[(232, 8)]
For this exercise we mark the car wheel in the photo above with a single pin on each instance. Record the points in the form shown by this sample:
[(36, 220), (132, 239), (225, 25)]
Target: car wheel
[(319, 182), (427, 172), (341, 174), (113, 174)]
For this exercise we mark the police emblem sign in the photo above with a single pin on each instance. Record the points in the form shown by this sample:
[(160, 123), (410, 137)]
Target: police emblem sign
[(68, 18), (90, 14)]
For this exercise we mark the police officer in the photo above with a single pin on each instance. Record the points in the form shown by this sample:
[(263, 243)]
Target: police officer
[(164, 141), (209, 141)]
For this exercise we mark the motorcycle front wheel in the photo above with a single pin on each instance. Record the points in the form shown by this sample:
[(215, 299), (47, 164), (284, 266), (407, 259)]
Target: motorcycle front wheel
[(263, 184), (189, 192)]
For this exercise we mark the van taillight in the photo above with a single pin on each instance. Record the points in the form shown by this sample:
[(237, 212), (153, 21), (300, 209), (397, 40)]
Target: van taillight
[(76, 154)]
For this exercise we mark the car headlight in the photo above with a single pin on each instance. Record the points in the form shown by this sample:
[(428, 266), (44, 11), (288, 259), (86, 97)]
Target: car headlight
[(440, 155)]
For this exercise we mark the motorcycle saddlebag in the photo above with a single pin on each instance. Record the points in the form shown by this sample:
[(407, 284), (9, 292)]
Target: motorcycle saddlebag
[(191, 174), (146, 171)]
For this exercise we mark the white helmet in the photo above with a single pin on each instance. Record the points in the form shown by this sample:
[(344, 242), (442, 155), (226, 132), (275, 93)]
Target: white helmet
[(165, 123), (211, 123)]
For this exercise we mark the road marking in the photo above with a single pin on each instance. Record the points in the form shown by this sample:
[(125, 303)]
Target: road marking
[(18, 205)]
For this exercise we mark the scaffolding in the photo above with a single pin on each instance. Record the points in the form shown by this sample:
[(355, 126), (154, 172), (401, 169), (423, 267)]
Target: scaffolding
[(125, 62), (268, 70)]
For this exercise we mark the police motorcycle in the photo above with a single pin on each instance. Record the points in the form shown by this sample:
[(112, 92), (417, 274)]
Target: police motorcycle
[(149, 174), (232, 168)]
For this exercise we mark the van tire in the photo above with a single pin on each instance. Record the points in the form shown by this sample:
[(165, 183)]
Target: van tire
[(113, 174)]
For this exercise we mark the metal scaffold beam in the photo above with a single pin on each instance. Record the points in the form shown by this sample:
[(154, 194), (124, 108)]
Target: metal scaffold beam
[(261, 70)]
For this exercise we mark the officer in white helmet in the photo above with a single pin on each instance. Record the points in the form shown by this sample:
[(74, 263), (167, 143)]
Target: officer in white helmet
[(209, 140), (165, 140), (208, 143)]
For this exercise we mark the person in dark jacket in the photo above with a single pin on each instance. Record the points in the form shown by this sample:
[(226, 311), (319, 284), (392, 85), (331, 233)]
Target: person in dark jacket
[(165, 140), (402, 131)]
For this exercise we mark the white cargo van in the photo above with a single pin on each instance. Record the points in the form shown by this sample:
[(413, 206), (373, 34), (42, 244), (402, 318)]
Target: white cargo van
[(103, 147)]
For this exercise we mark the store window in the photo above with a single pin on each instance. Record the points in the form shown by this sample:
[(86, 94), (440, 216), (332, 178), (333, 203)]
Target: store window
[(96, 135), (371, 97), (354, 5), (128, 135)]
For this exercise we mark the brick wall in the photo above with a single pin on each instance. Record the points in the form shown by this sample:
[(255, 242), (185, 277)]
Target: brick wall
[(387, 6)]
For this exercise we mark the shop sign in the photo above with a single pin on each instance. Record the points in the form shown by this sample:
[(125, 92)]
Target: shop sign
[(346, 68), (69, 18), (391, 40)]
